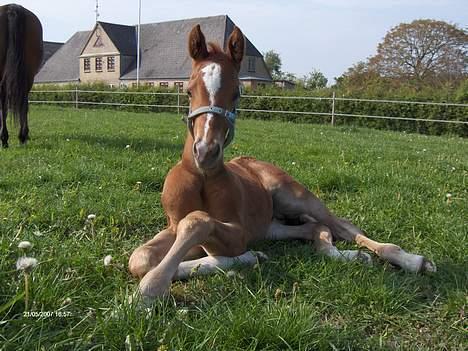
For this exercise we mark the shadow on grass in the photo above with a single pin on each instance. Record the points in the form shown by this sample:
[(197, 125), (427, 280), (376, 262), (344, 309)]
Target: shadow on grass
[(121, 142), (416, 289)]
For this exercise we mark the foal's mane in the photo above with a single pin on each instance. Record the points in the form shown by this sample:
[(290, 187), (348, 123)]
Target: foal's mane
[(214, 48)]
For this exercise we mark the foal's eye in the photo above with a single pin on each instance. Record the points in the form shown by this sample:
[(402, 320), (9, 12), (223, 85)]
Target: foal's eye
[(189, 93)]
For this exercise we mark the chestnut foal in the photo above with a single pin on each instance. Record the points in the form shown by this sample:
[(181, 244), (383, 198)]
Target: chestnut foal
[(216, 209)]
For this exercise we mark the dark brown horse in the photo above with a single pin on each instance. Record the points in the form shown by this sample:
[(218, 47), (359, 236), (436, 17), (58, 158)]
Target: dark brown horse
[(20, 58)]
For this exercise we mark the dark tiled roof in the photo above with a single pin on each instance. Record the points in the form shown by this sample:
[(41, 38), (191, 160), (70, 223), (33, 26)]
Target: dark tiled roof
[(64, 65), (123, 37), (164, 46), (50, 48), (163, 49)]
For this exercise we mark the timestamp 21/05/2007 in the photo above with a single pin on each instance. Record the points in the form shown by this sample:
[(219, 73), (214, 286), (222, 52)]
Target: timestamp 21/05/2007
[(46, 314)]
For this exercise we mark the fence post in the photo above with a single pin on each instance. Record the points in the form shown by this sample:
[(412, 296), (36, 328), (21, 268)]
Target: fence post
[(333, 110), (76, 97), (178, 99)]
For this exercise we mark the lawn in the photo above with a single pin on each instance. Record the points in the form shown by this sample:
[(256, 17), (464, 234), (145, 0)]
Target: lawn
[(113, 164)]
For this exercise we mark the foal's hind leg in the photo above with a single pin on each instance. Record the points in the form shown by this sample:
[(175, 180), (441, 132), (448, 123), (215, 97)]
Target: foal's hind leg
[(319, 234), (292, 200), (3, 120)]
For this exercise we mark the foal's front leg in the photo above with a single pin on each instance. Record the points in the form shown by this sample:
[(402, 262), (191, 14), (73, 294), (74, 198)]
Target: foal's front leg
[(197, 228)]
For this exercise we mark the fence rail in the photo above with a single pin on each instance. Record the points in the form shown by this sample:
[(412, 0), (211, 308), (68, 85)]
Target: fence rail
[(79, 99)]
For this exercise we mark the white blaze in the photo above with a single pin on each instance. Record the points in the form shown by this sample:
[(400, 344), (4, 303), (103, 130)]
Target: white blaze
[(212, 80), (209, 117)]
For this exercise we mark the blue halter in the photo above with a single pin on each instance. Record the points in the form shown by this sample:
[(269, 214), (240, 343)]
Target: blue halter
[(229, 115)]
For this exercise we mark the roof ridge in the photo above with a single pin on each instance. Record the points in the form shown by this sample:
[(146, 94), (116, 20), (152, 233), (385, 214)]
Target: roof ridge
[(183, 20), (116, 24)]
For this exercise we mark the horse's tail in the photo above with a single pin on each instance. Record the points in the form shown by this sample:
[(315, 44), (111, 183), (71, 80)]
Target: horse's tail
[(14, 79)]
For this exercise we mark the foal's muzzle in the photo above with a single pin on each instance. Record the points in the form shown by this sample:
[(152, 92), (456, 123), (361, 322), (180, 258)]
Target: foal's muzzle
[(206, 154)]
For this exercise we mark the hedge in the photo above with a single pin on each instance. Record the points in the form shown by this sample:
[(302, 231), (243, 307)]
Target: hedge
[(455, 113)]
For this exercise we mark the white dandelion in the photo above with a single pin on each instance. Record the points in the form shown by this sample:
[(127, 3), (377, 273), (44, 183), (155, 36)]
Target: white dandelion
[(127, 146), (107, 260), (91, 217), (25, 263), (182, 311), (25, 245)]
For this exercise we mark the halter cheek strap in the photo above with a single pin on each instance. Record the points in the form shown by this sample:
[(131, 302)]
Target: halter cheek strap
[(229, 115)]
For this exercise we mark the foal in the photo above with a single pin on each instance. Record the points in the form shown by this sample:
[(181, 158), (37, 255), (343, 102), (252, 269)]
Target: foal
[(216, 209)]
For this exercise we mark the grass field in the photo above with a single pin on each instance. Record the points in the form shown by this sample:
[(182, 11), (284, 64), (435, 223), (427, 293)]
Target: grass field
[(392, 185)]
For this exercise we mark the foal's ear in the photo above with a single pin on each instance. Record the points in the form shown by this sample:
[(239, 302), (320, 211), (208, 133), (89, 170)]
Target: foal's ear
[(236, 45), (197, 44)]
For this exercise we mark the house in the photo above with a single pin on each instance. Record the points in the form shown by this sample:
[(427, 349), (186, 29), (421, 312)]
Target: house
[(284, 83), (49, 48), (108, 54)]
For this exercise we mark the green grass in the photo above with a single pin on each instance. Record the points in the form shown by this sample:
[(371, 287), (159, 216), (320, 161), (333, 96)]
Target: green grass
[(393, 185)]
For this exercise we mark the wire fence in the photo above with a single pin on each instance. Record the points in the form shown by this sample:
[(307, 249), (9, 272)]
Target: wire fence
[(77, 98)]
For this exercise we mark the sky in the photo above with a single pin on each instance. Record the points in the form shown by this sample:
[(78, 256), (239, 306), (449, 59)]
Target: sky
[(327, 35)]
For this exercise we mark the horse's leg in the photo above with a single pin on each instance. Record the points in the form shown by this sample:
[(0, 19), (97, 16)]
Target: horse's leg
[(293, 200), (24, 128), (3, 120), (210, 264), (196, 229), (319, 235), (148, 255)]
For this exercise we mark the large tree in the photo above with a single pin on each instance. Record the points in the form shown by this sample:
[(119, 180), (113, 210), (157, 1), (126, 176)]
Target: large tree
[(424, 51), (273, 63), (314, 80)]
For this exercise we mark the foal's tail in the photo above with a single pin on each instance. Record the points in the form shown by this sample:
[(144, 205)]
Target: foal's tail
[(14, 80)]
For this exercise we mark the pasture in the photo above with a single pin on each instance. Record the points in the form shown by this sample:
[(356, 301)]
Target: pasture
[(113, 164)]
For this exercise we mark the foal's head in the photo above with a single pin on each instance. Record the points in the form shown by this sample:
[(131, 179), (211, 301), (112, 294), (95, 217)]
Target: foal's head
[(214, 93)]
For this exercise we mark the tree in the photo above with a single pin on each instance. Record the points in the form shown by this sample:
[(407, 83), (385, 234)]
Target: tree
[(288, 76), (425, 51), (273, 62), (314, 80)]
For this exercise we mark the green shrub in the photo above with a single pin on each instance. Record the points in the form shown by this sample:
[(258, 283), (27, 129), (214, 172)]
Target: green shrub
[(106, 97)]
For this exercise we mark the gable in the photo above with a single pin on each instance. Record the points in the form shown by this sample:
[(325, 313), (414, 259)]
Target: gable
[(99, 42)]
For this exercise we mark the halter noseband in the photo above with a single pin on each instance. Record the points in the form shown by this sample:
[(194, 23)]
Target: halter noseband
[(229, 115)]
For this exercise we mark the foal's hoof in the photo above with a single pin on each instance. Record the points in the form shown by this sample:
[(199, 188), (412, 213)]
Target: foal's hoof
[(364, 257), (260, 256), (150, 290), (5, 146), (428, 266)]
